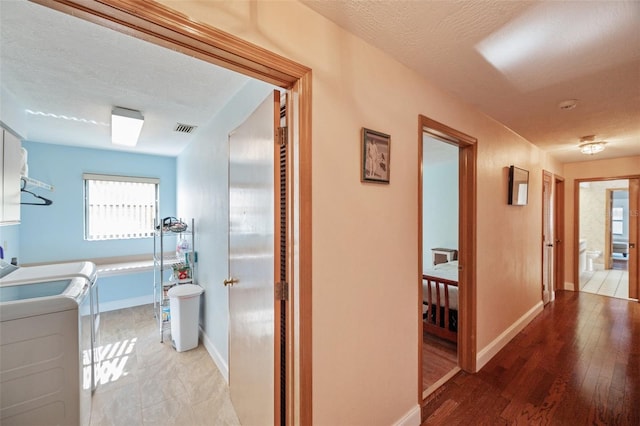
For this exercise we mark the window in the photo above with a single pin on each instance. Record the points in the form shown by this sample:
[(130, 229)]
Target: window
[(617, 220), (119, 207)]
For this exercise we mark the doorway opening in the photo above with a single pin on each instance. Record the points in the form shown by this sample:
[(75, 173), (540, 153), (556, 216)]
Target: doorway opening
[(607, 234), (440, 196), (446, 247), (163, 26)]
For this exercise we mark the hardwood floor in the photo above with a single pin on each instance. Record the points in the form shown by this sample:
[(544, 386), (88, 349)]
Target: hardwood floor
[(577, 363), (439, 357)]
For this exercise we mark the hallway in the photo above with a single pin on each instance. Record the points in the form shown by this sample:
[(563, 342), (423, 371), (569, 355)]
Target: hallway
[(578, 362)]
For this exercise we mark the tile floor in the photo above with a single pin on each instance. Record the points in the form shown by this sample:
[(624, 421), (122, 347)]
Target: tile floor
[(143, 381), (608, 282)]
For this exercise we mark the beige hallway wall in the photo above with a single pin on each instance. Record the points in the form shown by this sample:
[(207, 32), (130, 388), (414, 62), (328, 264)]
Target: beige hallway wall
[(365, 288)]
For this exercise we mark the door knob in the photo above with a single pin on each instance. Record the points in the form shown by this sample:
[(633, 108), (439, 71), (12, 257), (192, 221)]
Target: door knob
[(632, 245), (230, 281)]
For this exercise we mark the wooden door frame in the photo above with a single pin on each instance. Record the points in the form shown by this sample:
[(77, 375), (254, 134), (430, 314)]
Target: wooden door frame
[(608, 202), (467, 241), (608, 236), (634, 236), (576, 224), (161, 25), (558, 240)]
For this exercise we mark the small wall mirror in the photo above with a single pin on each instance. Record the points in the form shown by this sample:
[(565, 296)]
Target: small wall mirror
[(518, 186)]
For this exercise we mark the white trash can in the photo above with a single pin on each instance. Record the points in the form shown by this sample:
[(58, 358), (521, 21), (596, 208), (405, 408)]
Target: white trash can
[(184, 302)]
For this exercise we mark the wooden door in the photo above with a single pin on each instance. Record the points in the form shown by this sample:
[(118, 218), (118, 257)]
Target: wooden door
[(634, 238), (547, 238), (252, 322)]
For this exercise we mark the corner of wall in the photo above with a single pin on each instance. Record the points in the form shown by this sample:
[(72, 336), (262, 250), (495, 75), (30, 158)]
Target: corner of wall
[(489, 351), (217, 358), (413, 417)]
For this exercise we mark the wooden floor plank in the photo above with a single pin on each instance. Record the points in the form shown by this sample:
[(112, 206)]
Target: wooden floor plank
[(439, 357), (578, 362)]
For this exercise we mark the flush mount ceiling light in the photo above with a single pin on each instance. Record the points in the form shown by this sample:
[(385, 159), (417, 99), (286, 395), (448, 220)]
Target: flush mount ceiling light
[(126, 125), (589, 146)]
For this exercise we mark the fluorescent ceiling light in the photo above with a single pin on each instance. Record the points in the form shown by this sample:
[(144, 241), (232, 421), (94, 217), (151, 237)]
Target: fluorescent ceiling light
[(126, 125)]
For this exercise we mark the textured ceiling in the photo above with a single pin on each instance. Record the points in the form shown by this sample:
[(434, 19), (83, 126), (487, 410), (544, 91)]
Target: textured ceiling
[(514, 60), (68, 74), (517, 60)]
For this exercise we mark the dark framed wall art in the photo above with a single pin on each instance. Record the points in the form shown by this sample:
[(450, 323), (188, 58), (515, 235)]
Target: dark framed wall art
[(376, 151)]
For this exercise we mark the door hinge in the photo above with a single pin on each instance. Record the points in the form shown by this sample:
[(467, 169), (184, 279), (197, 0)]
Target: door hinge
[(282, 290), (282, 136)]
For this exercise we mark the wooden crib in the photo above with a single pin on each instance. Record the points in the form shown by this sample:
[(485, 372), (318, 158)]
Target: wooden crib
[(442, 293)]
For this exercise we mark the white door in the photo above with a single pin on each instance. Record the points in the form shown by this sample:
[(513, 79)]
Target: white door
[(547, 240), (251, 265)]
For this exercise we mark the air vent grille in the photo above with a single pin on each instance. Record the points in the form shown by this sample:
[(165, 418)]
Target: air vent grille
[(184, 128)]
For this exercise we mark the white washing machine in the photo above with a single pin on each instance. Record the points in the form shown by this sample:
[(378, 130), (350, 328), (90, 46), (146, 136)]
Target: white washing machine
[(59, 271), (45, 348)]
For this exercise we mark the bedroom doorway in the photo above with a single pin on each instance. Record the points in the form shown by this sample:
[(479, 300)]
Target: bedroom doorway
[(446, 254), (439, 259)]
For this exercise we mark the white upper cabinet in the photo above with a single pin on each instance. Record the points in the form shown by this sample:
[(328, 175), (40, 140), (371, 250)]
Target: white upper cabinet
[(10, 159)]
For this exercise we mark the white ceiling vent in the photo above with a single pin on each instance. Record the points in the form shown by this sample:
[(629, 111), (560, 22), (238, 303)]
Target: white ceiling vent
[(184, 128)]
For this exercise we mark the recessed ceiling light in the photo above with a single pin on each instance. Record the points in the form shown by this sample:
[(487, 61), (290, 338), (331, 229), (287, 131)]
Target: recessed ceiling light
[(568, 104)]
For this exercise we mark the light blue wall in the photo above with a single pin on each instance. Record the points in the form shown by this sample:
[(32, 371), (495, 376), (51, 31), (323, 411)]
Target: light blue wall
[(440, 206), (10, 241), (55, 233), (204, 195), (122, 291)]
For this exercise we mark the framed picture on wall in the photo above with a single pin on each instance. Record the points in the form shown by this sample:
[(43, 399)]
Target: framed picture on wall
[(376, 151), (518, 186)]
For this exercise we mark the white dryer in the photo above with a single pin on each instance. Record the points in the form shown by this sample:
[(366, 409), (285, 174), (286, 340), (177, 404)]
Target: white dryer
[(60, 271), (45, 353)]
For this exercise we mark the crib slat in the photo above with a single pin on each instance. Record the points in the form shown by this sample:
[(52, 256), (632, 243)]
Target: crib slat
[(432, 324), (438, 304)]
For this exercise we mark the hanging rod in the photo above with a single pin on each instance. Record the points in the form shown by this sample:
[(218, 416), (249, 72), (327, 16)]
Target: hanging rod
[(36, 183)]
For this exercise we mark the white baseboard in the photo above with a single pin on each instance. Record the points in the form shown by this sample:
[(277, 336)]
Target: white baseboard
[(215, 355), (125, 303), (444, 379), (412, 418), (500, 342)]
